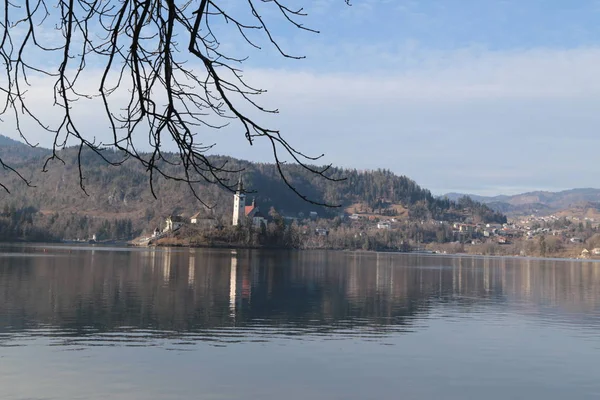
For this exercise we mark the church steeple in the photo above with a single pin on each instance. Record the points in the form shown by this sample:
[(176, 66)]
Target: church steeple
[(239, 204)]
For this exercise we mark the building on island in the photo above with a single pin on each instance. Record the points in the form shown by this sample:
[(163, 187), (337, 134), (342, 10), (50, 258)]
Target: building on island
[(321, 232), (242, 212), (252, 213), (585, 253), (203, 219), (239, 204), (174, 222)]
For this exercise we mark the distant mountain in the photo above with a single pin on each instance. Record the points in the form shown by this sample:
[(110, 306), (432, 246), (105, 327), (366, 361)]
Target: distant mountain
[(540, 202)]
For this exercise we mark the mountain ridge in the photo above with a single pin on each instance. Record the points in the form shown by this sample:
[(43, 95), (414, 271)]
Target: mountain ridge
[(6, 141), (540, 201)]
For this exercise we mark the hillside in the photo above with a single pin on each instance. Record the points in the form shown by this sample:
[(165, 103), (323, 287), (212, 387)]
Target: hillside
[(580, 201), (122, 194), (7, 142), (15, 152)]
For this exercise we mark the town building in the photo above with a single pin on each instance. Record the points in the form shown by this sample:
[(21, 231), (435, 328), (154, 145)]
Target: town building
[(464, 228), (384, 225)]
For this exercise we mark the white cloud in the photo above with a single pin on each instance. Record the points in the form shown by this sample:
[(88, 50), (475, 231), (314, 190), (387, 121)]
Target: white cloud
[(471, 119)]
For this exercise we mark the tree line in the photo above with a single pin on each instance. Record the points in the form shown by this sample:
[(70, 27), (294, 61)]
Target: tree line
[(124, 192), (29, 224)]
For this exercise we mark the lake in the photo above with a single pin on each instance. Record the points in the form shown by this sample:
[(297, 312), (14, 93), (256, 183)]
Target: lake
[(116, 323)]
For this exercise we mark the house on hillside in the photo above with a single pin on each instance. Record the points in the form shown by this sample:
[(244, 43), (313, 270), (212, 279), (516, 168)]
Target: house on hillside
[(174, 222), (494, 226), (384, 225), (596, 251), (465, 228)]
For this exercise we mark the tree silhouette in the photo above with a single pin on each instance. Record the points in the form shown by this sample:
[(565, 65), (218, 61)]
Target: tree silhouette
[(167, 55)]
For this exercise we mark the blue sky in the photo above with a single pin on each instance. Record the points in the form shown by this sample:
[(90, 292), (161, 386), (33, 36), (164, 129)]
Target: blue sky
[(400, 28), (486, 97), (479, 96)]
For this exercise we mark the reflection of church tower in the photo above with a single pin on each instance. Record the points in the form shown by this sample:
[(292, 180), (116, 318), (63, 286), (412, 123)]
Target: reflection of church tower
[(166, 265), (192, 269), (233, 286), (239, 204)]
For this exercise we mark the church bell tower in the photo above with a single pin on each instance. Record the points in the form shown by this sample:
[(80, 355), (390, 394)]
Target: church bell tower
[(239, 204)]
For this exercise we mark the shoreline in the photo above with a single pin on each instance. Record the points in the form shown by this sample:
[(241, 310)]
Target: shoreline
[(228, 246), (382, 251)]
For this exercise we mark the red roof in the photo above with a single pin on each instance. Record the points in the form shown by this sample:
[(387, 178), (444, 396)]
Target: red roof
[(248, 209)]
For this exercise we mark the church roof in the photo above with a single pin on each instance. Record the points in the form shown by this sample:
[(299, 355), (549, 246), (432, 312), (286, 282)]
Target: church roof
[(254, 212), (250, 208)]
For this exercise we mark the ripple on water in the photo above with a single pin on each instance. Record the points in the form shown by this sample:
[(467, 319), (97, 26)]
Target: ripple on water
[(426, 327)]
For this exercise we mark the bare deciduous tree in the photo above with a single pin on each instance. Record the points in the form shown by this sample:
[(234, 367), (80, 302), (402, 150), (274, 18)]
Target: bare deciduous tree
[(167, 55)]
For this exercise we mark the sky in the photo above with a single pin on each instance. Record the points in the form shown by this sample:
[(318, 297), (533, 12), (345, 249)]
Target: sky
[(484, 97)]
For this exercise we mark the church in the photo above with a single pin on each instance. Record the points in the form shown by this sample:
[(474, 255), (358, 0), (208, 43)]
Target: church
[(242, 213)]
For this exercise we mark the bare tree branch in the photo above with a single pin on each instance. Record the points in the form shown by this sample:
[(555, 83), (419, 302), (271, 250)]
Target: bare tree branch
[(175, 92)]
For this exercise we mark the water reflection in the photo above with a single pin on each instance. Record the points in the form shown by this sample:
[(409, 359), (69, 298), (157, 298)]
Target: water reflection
[(138, 297)]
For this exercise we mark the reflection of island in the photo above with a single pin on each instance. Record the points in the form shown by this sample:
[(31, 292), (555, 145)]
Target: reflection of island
[(192, 291)]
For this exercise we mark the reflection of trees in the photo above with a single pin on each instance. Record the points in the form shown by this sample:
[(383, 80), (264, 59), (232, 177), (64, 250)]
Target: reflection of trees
[(190, 291)]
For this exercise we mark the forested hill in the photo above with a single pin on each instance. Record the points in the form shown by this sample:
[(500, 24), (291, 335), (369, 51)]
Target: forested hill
[(123, 192)]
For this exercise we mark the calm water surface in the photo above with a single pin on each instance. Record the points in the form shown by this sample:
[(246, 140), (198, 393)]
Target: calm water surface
[(100, 323)]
